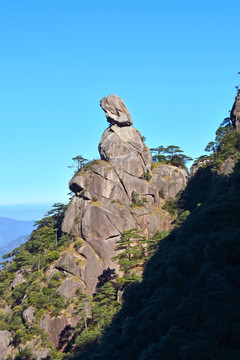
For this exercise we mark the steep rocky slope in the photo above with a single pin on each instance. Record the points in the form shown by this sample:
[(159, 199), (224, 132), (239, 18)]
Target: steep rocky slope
[(118, 192), (188, 301), (71, 249)]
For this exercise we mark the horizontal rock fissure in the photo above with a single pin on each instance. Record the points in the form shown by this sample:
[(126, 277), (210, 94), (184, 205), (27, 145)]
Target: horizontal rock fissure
[(65, 270)]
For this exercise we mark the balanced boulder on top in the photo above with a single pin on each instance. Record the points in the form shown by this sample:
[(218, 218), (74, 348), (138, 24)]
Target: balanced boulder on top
[(116, 111)]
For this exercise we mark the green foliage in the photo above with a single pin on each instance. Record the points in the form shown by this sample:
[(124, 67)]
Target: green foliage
[(18, 293), (132, 254), (22, 259), (105, 305), (94, 198), (78, 244), (80, 308), (78, 163), (88, 338), (146, 176), (161, 193), (171, 205), (170, 155), (182, 217), (52, 255), (55, 281), (137, 200), (154, 240), (24, 354), (187, 305), (226, 145)]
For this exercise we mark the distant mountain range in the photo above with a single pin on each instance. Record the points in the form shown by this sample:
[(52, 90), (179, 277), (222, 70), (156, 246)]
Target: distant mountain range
[(12, 245), (25, 211), (12, 232)]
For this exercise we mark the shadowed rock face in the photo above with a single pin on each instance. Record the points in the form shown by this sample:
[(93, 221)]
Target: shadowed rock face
[(106, 192), (116, 111), (235, 112)]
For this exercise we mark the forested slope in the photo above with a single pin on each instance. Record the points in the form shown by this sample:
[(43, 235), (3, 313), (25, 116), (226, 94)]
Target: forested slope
[(188, 303)]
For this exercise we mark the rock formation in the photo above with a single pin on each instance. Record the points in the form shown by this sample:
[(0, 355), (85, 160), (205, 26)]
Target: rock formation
[(116, 111), (5, 340), (235, 112), (119, 192)]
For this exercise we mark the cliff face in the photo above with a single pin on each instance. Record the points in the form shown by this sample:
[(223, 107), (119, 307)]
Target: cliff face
[(235, 112), (121, 191), (117, 193)]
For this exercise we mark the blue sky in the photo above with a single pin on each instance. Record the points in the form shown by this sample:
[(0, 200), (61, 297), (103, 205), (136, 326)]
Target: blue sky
[(174, 63)]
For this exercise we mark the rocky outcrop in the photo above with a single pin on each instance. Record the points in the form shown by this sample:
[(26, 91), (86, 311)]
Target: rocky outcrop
[(19, 278), (124, 149), (235, 112), (29, 315), (5, 340), (116, 193), (116, 111), (57, 328)]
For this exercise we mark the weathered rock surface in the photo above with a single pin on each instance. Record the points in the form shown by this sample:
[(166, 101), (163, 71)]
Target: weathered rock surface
[(69, 263), (5, 340), (29, 315), (117, 193), (55, 327), (124, 149), (235, 112), (69, 286), (19, 278), (116, 111)]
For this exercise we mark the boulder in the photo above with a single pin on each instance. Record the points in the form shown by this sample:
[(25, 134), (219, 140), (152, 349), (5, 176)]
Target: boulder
[(29, 315), (167, 179), (116, 111), (19, 278), (69, 262), (55, 327), (69, 286), (5, 341)]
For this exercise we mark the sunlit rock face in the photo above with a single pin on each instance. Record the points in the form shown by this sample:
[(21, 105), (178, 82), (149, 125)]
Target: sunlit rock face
[(118, 192), (5, 341), (116, 111)]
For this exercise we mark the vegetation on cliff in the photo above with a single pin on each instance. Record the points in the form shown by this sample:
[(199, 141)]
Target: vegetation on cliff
[(187, 305)]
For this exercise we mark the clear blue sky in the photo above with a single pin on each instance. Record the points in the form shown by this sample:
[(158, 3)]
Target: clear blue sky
[(174, 63)]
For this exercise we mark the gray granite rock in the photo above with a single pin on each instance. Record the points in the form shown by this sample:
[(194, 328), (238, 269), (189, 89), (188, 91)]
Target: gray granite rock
[(29, 315), (19, 278), (116, 111), (54, 327), (103, 205), (69, 262), (123, 147), (5, 340)]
